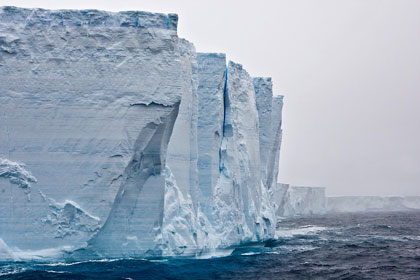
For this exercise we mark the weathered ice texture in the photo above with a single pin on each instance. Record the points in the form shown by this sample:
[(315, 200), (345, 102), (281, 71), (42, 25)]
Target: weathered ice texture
[(212, 78), (179, 234), (118, 140), (281, 198), (269, 109), (300, 201), (87, 101), (194, 153), (238, 191), (137, 213), (264, 99), (276, 137), (182, 149), (180, 230), (6, 254), (239, 152), (233, 205), (16, 174), (373, 203)]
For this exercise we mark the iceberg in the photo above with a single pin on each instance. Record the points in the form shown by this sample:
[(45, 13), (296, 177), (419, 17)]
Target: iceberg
[(119, 140), (300, 201)]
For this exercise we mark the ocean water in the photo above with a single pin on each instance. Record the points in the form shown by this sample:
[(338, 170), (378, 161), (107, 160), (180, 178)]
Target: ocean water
[(340, 246)]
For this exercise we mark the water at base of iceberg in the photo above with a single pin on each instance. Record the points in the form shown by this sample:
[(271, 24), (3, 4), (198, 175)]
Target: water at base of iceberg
[(340, 246)]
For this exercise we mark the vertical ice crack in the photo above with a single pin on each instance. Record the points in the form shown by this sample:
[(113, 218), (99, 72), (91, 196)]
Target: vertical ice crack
[(225, 101), (225, 97)]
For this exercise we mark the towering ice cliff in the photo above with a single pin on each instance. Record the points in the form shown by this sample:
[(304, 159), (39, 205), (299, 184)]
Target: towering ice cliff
[(238, 191), (231, 203), (264, 103), (88, 101), (117, 139)]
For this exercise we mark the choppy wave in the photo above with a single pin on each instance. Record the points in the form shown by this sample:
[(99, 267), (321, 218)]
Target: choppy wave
[(362, 246)]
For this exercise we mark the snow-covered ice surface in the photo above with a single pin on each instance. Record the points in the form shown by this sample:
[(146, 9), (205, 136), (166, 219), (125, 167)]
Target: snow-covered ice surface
[(118, 140), (373, 203)]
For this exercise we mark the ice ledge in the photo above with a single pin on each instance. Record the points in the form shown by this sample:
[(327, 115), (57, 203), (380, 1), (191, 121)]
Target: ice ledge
[(16, 173), (15, 15)]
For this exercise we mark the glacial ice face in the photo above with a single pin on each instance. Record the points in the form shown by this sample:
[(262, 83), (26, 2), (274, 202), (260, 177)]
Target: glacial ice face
[(179, 229), (276, 138), (118, 140), (182, 148), (373, 203), (264, 99), (137, 213), (6, 254), (235, 190), (300, 201), (212, 79), (88, 100), (233, 205)]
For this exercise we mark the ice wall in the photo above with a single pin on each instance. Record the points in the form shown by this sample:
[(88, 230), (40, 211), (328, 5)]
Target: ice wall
[(212, 80), (182, 149), (264, 103), (87, 100), (118, 140), (300, 201), (233, 204), (239, 186), (276, 137), (179, 231), (373, 203)]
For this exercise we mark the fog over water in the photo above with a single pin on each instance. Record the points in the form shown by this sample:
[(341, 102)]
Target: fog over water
[(349, 71)]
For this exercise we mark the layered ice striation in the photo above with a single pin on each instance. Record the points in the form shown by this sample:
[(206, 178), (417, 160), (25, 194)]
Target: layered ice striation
[(118, 139), (373, 203), (300, 201)]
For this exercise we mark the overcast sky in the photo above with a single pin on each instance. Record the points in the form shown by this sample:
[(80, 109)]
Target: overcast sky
[(349, 71)]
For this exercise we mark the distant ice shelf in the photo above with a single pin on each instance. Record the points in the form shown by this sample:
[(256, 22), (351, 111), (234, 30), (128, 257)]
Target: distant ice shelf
[(348, 204)]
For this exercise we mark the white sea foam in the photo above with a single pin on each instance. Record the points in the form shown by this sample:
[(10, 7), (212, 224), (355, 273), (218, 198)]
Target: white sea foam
[(251, 253), (216, 254), (304, 230)]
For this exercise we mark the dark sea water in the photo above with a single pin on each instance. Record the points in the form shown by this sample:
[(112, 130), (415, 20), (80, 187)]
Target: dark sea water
[(342, 246)]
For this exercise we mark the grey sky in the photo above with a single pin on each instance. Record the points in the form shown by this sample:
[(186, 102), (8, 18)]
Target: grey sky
[(349, 70)]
